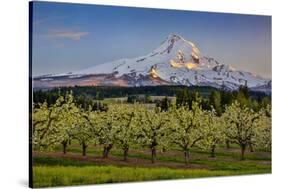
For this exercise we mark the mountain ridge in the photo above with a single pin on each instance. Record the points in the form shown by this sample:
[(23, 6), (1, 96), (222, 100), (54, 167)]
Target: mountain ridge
[(175, 62)]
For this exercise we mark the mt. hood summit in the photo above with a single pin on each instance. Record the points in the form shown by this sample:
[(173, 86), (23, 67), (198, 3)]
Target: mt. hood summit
[(175, 62)]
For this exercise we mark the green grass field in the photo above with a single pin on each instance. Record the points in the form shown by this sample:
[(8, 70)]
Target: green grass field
[(46, 176), (56, 169)]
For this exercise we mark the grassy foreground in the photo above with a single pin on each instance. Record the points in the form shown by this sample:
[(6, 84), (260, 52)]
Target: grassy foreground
[(71, 175), (51, 171), (56, 176), (53, 168)]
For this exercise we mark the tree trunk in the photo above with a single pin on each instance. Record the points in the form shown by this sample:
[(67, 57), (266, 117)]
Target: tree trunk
[(243, 147), (153, 154), (84, 147), (186, 156), (227, 144), (126, 153), (64, 145), (213, 148), (106, 150), (251, 148)]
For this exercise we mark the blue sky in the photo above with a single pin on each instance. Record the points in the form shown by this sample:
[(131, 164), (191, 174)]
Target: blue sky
[(70, 37)]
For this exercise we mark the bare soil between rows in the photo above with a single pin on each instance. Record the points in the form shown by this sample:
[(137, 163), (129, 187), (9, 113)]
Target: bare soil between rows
[(118, 161)]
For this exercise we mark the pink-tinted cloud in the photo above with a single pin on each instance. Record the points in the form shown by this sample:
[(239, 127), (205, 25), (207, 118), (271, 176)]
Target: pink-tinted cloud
[(73, 35)]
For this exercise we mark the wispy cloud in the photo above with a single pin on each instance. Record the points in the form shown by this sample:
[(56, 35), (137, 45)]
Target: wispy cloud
[(73, 35)]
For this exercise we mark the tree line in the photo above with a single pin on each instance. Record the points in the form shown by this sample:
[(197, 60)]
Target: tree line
[(102, 92), (220, 99)]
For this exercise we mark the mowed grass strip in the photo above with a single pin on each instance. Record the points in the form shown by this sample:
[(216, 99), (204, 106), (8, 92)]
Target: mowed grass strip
[(71, 170), (50, 171), (46, 176)]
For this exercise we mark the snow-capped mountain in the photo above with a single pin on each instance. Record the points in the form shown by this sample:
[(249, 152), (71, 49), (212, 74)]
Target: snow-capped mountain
[(175, 62)]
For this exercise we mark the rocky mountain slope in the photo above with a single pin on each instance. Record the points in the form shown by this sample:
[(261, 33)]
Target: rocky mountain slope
[(175, 62)]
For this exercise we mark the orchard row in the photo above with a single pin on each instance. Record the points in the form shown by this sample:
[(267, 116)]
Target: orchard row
[(129, 125)]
